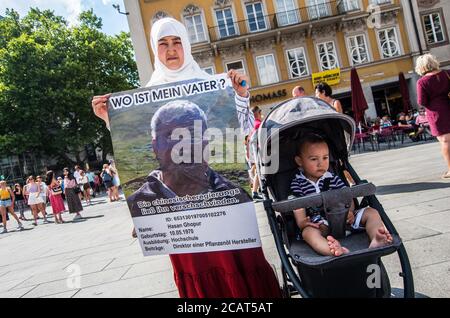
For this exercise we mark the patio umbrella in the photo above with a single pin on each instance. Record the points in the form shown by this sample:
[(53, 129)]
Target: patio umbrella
[(405, 93), (359, 103)]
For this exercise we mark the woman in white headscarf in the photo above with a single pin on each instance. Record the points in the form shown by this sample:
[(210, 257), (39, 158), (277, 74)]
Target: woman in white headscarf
[(238, 273), (174, 62)]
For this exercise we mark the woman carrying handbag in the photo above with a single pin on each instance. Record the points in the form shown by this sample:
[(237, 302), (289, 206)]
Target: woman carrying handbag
[(55, 194)]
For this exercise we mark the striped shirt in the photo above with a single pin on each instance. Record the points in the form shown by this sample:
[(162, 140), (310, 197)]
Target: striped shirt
[(245, 116), (302, 186)]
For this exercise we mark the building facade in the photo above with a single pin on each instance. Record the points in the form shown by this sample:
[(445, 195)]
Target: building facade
[(283, 43)]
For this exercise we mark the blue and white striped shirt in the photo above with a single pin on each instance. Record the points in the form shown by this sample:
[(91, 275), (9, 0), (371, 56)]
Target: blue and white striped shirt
[(245, 116), (302, 186)]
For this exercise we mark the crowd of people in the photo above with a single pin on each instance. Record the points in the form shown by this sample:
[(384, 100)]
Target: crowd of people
[(414, 124), (36, 194)]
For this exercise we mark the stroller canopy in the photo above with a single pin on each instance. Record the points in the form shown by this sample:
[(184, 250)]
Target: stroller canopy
[(292, 119)]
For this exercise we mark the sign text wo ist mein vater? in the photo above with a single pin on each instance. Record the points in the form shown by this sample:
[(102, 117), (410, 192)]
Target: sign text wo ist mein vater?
[(168, 93)]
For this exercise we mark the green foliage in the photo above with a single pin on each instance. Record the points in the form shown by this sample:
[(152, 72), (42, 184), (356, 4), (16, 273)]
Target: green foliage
[(49, 73)]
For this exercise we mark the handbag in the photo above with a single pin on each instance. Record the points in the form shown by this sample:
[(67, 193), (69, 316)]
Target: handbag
[(56, 190)]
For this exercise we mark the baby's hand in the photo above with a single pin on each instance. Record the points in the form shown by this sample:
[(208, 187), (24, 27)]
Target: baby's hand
[(314, 225)]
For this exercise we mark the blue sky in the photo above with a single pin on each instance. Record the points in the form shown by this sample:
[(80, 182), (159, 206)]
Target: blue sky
[(113, 22)]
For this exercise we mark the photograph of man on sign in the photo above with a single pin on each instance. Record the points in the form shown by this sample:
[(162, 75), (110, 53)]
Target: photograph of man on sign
[(184, 178)]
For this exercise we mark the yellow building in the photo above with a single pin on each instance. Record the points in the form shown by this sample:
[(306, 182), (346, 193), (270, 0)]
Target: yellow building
[(282, 43)]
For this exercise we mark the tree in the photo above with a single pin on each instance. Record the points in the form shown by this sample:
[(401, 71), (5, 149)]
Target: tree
[(48, 75)]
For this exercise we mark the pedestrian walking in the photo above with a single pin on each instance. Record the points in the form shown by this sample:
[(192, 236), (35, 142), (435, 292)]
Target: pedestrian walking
[(73, 200), (19, 201), (433, 93), (54, 194), (7, 205)]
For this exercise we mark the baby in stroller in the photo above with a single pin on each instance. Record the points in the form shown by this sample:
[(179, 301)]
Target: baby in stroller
[(312, 158)]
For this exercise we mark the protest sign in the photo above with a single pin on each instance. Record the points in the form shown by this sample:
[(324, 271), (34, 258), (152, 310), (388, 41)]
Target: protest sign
[(165, 139)]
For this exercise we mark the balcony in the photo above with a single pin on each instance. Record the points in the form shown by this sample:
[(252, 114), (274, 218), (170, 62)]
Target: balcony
[(326, 10)]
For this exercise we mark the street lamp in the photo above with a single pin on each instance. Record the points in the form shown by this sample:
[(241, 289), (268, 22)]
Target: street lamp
[(117, 7)]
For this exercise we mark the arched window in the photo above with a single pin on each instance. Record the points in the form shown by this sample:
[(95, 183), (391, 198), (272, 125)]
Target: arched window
[(194, 24), (159, 15)]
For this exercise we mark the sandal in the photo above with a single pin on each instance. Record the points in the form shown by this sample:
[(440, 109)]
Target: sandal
[(446, 176)]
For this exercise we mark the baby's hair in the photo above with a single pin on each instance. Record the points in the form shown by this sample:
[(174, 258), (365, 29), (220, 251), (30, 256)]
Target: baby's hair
[(310, 138)]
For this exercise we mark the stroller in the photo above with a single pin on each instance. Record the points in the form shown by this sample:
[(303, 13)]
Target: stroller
[(305, 272)]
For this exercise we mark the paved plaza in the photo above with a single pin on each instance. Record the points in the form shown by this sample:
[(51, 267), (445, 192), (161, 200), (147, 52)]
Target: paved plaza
[(44, 261)]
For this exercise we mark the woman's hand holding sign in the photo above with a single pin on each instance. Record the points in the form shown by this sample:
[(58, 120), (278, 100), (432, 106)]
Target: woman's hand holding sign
[(101, 108), (240, 82)]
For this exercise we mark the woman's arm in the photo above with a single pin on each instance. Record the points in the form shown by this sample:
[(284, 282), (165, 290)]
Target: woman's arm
[(338, 106), (422, 95), (242, 101)]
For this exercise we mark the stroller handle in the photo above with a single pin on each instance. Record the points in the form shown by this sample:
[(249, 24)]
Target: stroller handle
[(329, 198)]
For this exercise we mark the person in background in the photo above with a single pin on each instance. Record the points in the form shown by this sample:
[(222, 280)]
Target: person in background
[(73, 200), (422, 122), (433, 93), (76, 175), (61, 183), (20, 201), (43, 193), (298, 91), (115, 181), (54, 194), (97, 183), (85, 186), (324, 92), (407, 127), (253, 149), (386, 122), (32, 191), (7, 205), (91, 178), (107, 178)]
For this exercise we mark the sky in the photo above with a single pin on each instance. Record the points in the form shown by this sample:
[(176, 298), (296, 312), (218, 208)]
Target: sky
[(113, 22)]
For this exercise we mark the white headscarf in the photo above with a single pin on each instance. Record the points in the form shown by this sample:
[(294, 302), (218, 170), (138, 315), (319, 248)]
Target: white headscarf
[(189, 70)]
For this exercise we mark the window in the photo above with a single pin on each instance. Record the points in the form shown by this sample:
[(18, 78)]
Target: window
[(348, 6), (318, 9), (381, 2), (298, 66), (256, 19), (327, 56), (357, 46), (286, 12), (389, 43), (209, 70), (267, 69), (225, 23), (237, 65), (434, 31), (195, 29)]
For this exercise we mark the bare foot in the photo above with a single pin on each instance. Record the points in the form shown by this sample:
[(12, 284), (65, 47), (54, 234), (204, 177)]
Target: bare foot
[(335, 247), (382, 238)]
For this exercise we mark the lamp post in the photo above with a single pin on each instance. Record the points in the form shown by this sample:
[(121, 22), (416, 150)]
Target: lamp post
[(117, 7)]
